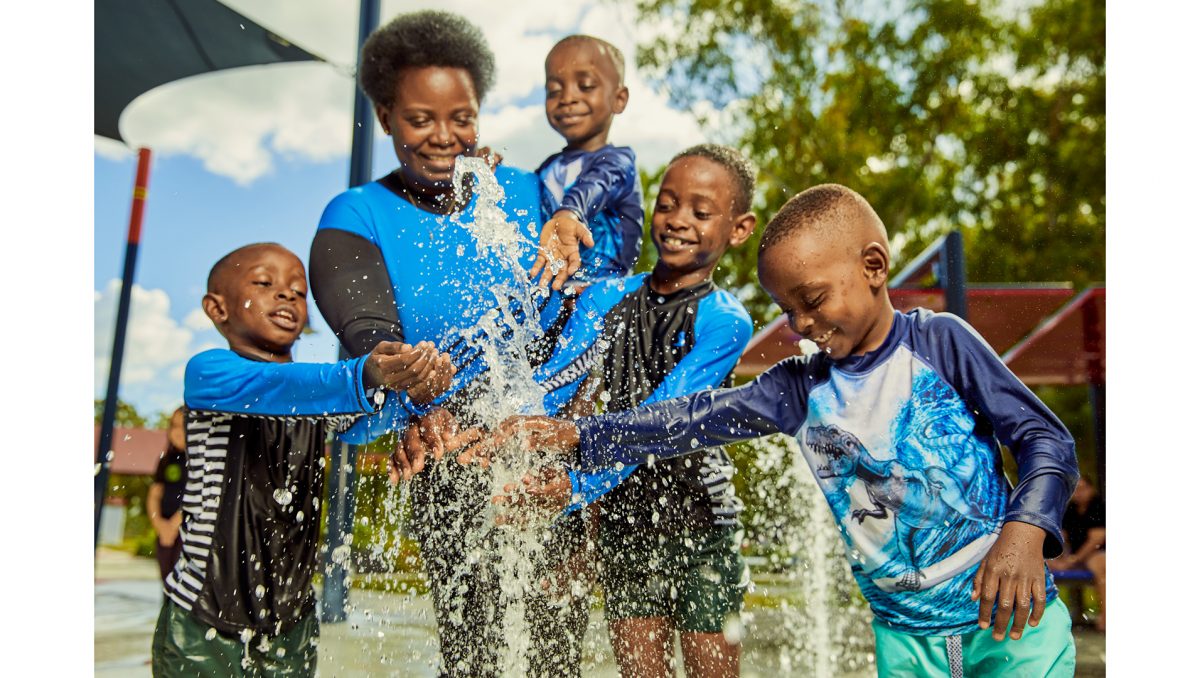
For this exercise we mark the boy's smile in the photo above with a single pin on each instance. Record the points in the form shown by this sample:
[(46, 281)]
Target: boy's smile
[(260, 304), (833, 293), (694, 221), (583, 93)]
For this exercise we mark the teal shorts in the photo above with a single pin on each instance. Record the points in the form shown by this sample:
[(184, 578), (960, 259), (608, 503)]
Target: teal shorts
[(1047, 649), (697, 579)]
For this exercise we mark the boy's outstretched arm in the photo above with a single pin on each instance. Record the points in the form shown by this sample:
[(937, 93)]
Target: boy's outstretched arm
[(606, 179), (722, 332), (772, 403), (1011, 578)]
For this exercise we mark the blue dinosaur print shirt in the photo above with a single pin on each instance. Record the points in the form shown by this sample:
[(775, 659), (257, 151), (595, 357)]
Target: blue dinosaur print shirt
[(904, 442)]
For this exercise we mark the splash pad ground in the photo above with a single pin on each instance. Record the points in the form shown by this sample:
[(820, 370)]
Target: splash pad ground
[(127, 599)]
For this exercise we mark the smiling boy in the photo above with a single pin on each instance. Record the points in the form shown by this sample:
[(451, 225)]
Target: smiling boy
[(590, 188), (239, 600), (669, 533), (900, 417)]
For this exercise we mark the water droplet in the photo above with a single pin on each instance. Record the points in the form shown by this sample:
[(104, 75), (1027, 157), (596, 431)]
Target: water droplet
[(210, 633), (283, 496), (260, 591)]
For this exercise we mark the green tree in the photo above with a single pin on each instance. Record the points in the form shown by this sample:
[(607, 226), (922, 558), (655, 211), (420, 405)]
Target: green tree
[(127, 415), (943, 113)]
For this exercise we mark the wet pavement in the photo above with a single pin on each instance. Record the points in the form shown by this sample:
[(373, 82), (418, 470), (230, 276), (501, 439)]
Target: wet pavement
[(386, 634)]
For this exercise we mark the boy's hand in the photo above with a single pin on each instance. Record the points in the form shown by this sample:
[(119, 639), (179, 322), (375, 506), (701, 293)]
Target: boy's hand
[(397, 366), (534, 433), (433, 434), (558, 249), (1011, 575), (546, 490), (434, 381), (493, 159)]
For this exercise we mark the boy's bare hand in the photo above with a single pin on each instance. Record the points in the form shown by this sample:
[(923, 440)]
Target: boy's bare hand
[(434, 381), (433, 434), (493, 158), (398, 366), (544, 434), (1012, 576), (546, 490), (558, 249)]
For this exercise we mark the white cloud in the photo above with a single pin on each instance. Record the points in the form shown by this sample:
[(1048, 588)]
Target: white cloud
[(241, 123), (197, 320), (157, 347)]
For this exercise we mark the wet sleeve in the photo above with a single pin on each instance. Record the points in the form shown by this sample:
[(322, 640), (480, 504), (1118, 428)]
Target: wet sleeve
[(353, 290), (721, 336), (1047, 469), (605, 180), (222, 381), (775, 402)]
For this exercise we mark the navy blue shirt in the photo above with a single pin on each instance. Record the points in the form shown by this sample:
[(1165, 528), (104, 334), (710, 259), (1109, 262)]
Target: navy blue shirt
[(904, 442)]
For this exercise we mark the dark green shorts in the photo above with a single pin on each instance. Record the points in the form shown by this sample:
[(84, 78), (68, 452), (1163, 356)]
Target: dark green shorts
[(697, 579), (188, 648)]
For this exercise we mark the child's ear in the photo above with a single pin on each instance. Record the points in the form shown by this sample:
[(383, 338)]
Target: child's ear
[(743, 228), (876, 262), (382, 114), (214, 308), (622, 99)]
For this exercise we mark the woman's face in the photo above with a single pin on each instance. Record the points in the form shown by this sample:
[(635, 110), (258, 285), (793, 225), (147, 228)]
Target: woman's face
[(432, 120)]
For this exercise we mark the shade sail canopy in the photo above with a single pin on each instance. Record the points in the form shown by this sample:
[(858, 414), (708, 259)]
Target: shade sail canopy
[(1068, 348), (1002, 314), (141, 44)]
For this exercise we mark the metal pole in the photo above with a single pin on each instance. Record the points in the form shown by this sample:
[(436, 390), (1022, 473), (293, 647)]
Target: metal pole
[(335, 594), (107, 420), (954, 274)]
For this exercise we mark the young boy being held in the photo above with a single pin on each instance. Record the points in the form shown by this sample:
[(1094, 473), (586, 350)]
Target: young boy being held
[(590, 189), (240, 599), (898, 416)]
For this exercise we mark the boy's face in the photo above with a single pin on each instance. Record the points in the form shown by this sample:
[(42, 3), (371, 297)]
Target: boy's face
[(694, 220), (832, 291), (583, 93), (260, 305), (432, 121)]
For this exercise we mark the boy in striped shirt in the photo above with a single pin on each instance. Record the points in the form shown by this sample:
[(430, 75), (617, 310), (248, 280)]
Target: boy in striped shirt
[(240, 600)]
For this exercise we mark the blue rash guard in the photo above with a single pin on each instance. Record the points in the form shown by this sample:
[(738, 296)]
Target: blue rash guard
[(601, 188), (903, 442), (252, 501), (652, 347), (384, 269)]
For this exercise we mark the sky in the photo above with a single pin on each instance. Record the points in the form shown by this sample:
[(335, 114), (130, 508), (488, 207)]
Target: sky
[(254, 154)]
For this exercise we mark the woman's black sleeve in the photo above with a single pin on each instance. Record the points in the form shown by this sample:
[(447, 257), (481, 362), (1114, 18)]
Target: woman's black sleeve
[(353, 290)]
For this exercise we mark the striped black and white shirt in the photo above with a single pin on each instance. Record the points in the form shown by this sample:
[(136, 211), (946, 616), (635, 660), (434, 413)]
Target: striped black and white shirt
[(252, 503)]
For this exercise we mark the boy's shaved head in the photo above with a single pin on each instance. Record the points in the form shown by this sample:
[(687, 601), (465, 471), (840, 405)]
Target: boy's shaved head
[(740, 168), (831, 211), (234, 259), (605, 47)]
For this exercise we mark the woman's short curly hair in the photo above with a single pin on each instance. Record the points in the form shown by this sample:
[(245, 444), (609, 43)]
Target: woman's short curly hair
[(420, 39)]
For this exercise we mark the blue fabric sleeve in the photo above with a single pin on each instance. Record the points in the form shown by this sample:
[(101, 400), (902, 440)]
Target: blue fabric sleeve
[(775, 402), (222, 381), (723, 328), (1047, 469), (348, 212), (602, 182)]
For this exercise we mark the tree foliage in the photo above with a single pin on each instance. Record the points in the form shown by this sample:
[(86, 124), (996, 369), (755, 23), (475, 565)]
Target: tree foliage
[(944, 114), (127, 415)]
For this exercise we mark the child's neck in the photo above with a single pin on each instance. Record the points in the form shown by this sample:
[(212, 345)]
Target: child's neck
[(880, 329), (260, 353), (667, 280), (590, 144)]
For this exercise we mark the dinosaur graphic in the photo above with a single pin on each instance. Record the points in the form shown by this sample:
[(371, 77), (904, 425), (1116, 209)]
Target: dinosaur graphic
[(919, 498)]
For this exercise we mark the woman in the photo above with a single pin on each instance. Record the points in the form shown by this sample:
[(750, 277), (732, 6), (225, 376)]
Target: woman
[(389, 263)]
